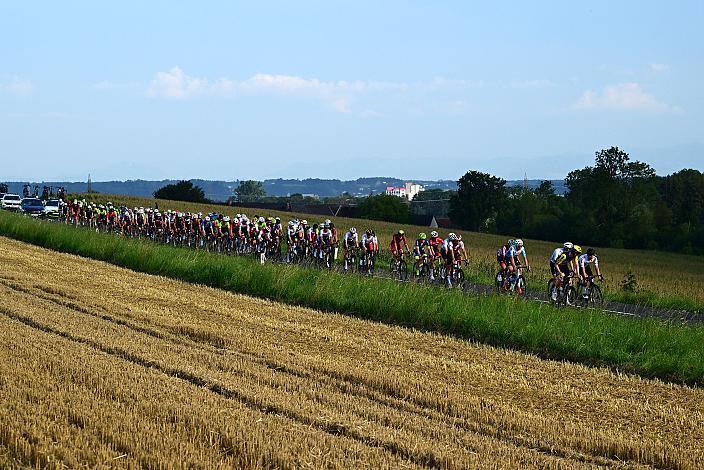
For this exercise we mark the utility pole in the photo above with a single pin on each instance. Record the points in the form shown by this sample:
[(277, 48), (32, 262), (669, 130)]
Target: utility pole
[(90, 185)]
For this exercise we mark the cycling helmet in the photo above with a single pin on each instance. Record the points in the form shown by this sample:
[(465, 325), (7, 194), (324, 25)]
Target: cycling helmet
[(510, 242), (353, 230), (459, 237), (328, 221), (591, 252), (238, 215), (422, 235), (433, 234), (261, 220), (370, 232), (278, 219), (519, 242), (568, 245), (226, 218), (207, 218), (577, 248), (304, 222), (452, 236), (401, 232)]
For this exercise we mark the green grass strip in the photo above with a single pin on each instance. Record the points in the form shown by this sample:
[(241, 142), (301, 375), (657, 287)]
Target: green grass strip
[(648, 347)]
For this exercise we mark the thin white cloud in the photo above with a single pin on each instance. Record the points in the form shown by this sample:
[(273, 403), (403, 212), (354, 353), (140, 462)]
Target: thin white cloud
[(655, 67), (176, 85), (107, 85), (16, 86), (339, 95), (624, 96), (541, 83)]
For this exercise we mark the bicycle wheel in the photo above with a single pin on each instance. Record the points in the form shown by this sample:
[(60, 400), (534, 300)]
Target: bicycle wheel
[(459, 278), (570, 296), (403, 270), (521, 285), (596, 297), (499, 282)]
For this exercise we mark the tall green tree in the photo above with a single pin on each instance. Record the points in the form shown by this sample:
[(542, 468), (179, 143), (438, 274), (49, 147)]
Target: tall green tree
[(479, 198), (615, 199), (383, 207), (181, 191), (249, 190)]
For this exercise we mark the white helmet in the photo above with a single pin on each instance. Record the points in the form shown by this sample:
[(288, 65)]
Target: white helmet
[(518, 242), (207, 218), (452, 236), (433, 234), (353, 230), (226, 218), (261, 220), (328, 221), (238, 215), (304, 222), (568, 245)]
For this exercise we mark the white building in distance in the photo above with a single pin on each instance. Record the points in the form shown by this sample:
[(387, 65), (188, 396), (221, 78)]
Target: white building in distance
[(409, 190)]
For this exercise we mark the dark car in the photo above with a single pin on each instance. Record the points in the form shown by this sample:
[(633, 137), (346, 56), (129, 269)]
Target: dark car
[(32, 206)]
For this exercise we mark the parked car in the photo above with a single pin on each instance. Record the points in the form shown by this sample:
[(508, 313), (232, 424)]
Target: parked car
[(32, 206), (10, 202), (51, 208)]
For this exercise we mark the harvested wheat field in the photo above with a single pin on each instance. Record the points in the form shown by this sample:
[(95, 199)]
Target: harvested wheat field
[(100, 366)]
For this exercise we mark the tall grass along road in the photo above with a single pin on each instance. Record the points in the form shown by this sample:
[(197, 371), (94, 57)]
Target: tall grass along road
[(647, 347), (105, 367), (662, 280)]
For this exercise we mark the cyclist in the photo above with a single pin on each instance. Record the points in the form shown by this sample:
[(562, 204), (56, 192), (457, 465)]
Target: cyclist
[(584, 262), (435, 243), (421, 248), (452, 251), (566, 261), (350, 242), (325, 239), (335, 239), (398, 243), (369, 246), (513, 256), (502, 255)]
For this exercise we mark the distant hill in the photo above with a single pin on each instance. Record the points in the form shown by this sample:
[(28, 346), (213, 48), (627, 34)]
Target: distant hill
[(221, 190)]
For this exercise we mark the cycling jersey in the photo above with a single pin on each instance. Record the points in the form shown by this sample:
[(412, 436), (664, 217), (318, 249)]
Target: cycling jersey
[(565, 257), (398, 242), (369, 242), (585, 261), (325, 236), (436, 244), (556, 254), (351, 239), (419, 247)]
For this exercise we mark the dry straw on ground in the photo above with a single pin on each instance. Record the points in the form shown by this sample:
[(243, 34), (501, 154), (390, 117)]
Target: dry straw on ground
[(103, 366)]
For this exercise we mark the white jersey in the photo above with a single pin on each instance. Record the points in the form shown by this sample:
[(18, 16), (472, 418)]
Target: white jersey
[(556, 254), (584, 260), (447, 245), (351, 238), (369, 239)]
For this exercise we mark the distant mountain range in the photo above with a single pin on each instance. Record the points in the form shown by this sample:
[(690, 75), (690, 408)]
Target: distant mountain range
[(222, 190)]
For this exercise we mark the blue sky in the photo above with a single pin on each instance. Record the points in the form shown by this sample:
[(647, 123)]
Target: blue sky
[(228, 90)]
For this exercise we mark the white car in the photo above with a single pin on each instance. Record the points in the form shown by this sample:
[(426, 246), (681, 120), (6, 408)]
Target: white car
[(51, 208), (10, 202)]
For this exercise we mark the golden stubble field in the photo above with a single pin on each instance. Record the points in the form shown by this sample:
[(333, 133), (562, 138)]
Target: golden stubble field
[(100, 366)]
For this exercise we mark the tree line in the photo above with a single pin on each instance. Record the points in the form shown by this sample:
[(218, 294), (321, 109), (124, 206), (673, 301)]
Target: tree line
[(618, 203)]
